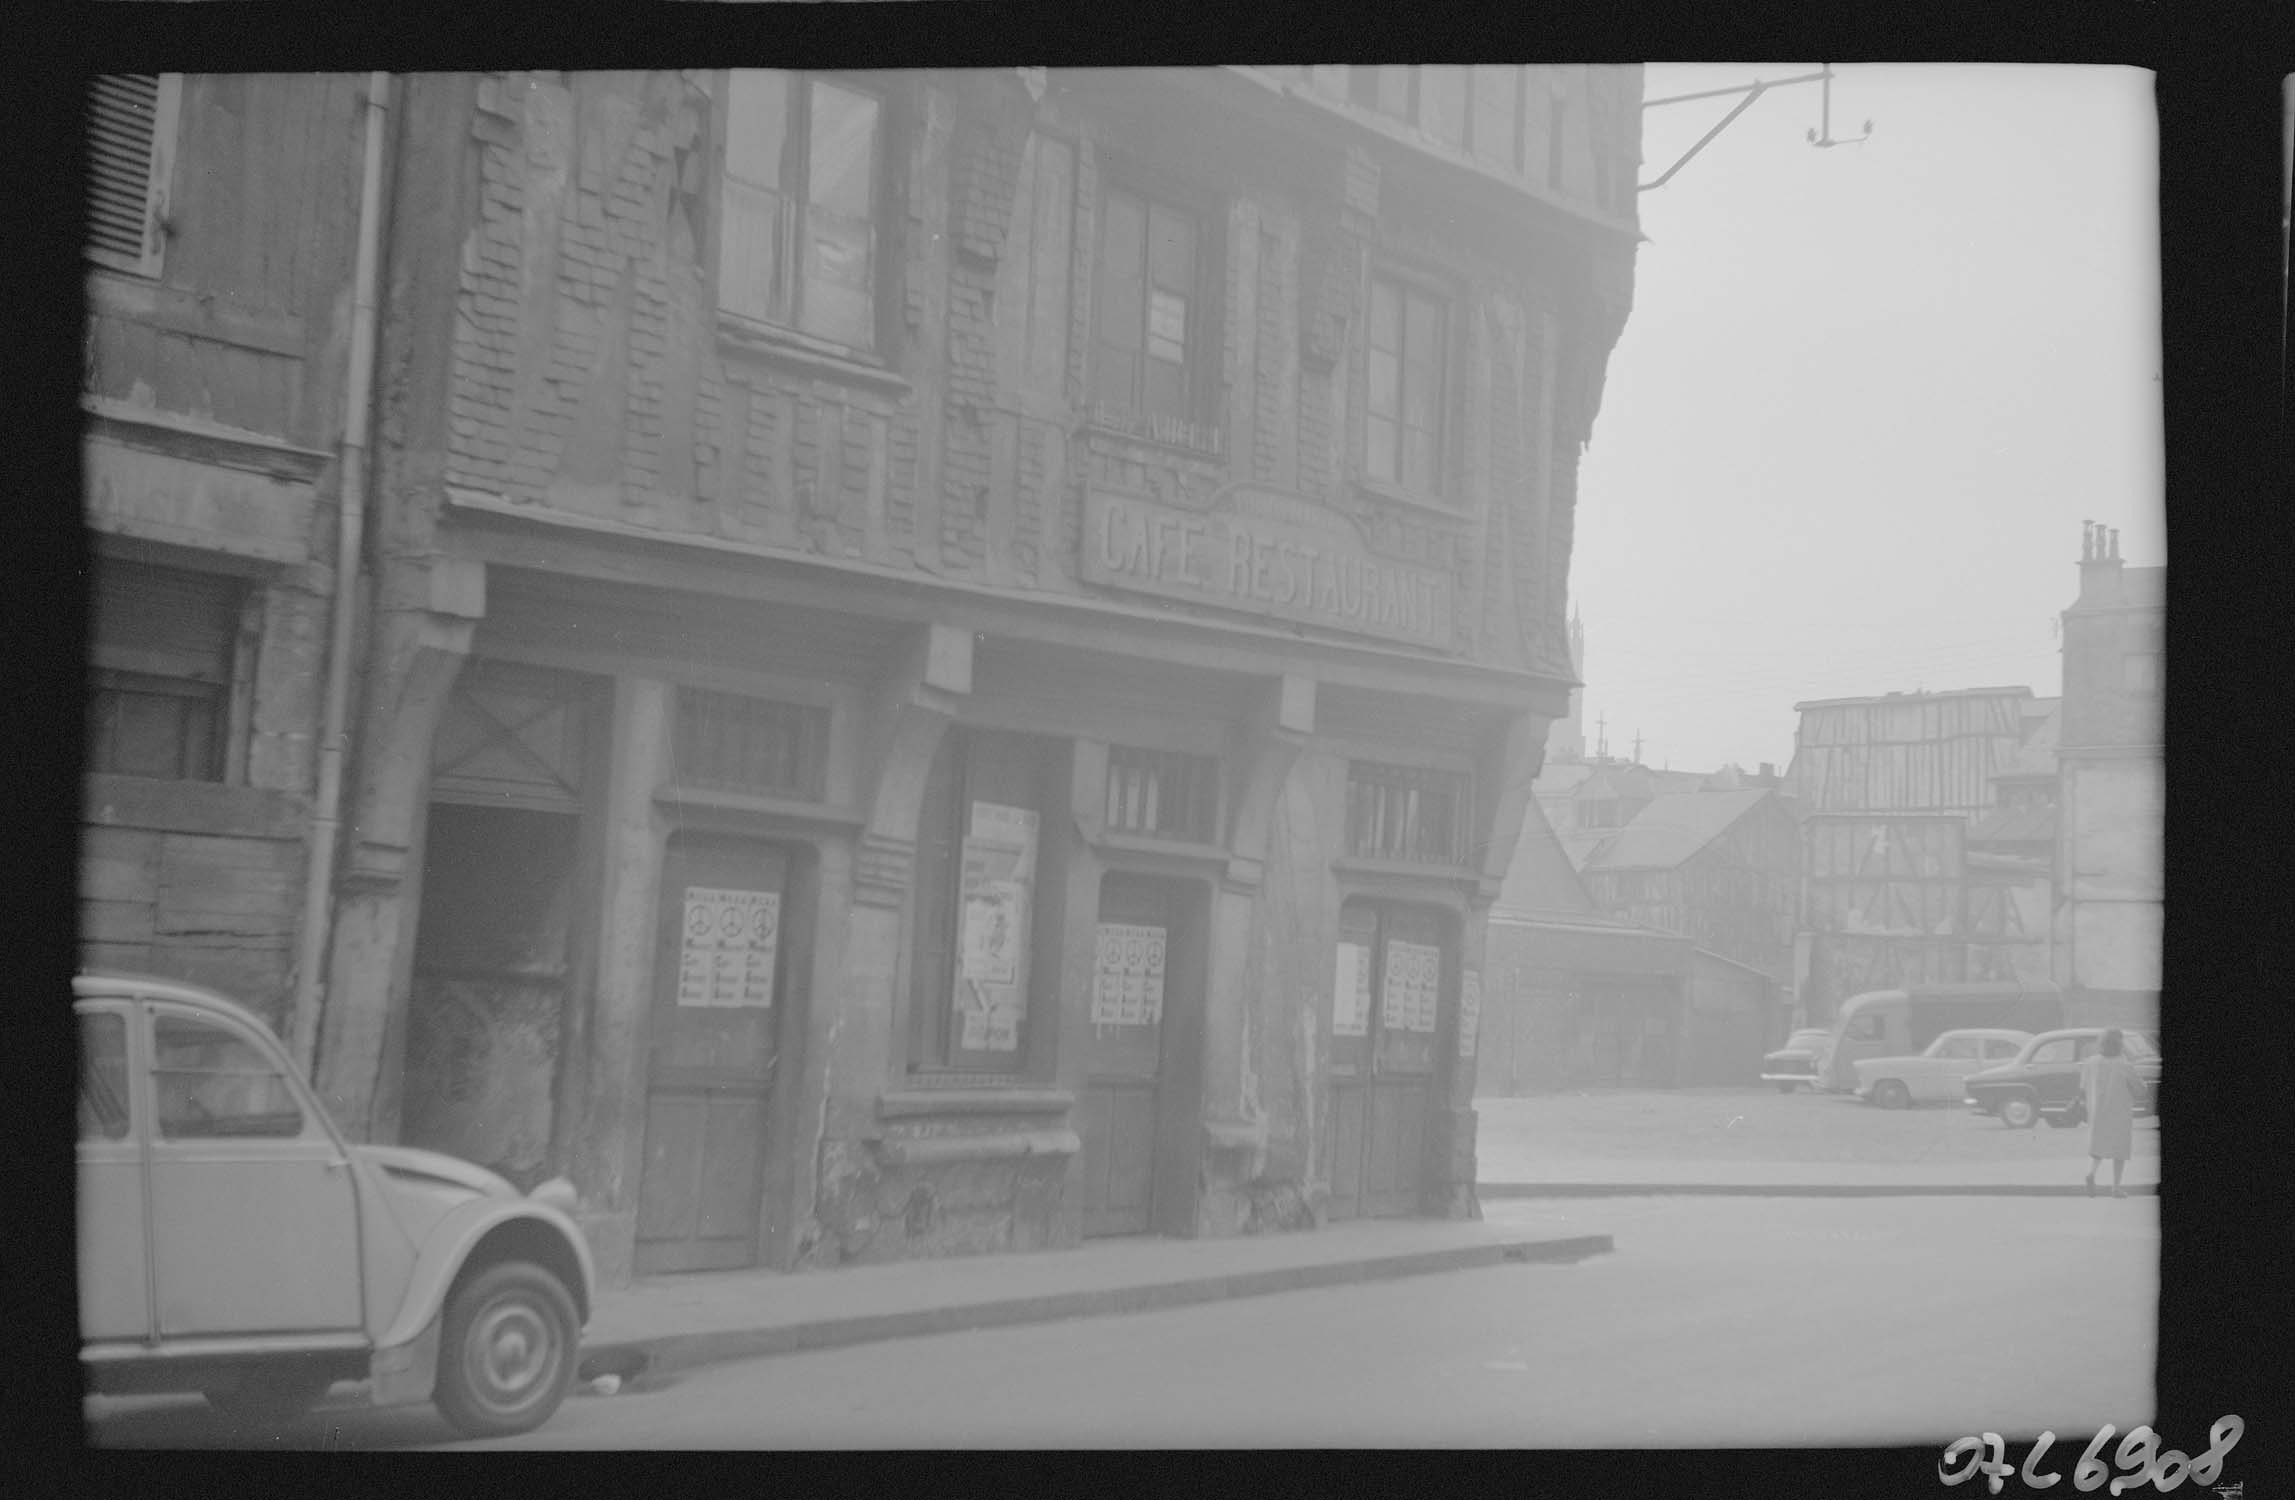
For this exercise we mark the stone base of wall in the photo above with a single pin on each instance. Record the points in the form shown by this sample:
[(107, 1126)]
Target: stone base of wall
[(867, 1213)]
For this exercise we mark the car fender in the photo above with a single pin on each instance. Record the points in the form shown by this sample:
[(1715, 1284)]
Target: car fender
[(448, 1248)]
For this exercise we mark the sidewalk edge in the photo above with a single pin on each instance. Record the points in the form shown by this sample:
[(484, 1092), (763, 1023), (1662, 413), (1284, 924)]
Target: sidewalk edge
[(1504, 1190), (655, 1355)]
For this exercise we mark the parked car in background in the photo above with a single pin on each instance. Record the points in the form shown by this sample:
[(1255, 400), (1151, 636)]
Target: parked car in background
[(232, 1242), (1938, 1074), (2044, 1080), (1795, 1065)]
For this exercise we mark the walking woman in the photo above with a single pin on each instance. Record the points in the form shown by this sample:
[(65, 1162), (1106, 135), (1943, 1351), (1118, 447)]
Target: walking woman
[(2112, 1086)]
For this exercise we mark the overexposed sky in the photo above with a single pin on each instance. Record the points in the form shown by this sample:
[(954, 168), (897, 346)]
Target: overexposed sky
[(1867, 395)]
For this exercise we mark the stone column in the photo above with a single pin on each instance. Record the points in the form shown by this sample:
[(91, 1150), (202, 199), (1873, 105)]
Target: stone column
[(1234, 1128), (425, 612)]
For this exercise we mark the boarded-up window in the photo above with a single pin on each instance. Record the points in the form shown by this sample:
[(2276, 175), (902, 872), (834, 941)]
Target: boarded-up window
[(1162, 793), (1148, 322), (750, 745), (797, 210), (1403, 426), (131, 122), (1033, 276), (161, 652)]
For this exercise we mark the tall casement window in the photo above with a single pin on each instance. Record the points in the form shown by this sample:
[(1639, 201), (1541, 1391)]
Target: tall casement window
[(164, 651), (1149, 324), (797, 238), (974, 967), (131, 123), (1406, 813), (1403, 423)]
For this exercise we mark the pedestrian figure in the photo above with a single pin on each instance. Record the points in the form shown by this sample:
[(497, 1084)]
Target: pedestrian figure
[(2112, 1085)]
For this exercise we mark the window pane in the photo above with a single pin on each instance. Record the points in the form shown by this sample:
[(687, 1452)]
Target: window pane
[(756, 125), (1114, 370), (842, 170), (213, 1083), (839, 261), (1385, 384), (1166, 393), (1386, 316), (1120, 310), (1422, 331), (750, 233), (103, 1077), (1381, 453), (1418, 459), (1125, 232), (1171, 249), (1167, 326)]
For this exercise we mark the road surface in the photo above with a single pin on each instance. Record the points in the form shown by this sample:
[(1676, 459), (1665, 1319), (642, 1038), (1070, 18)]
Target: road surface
[(1718, 1322)]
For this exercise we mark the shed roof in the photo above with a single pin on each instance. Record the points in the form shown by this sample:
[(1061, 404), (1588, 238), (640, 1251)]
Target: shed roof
[(1674, 827)]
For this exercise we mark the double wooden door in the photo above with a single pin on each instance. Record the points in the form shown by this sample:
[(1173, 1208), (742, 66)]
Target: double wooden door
[(1391, 980), (1134, 979), (719, 991)]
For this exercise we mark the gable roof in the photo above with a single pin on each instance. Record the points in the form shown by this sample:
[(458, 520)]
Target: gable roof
[(1542, 882), (1674, 827)]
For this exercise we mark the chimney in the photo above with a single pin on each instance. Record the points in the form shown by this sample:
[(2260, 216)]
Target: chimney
[(2099, 563)]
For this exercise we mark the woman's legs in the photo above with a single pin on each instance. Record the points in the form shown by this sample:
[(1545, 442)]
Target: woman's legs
[(2119, 1165), (2094, 1162)]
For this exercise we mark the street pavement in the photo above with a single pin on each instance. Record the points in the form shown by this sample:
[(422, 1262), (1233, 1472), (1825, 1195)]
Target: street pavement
[(1718, 1322)]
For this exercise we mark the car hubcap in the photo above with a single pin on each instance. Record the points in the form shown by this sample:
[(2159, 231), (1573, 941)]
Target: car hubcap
[(511, 1351)]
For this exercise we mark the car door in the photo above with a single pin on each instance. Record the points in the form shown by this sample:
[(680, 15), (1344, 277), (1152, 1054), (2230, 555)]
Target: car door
[(254, 1223), (114, 1258), (1956, 1057), (2055, 1070)]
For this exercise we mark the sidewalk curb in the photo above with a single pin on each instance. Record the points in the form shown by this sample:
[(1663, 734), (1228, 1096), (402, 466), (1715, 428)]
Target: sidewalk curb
[(1501, 1190), (661, 1354)]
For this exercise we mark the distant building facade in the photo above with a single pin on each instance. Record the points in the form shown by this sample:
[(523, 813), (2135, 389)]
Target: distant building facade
[(2111, 787), (1719, 867)]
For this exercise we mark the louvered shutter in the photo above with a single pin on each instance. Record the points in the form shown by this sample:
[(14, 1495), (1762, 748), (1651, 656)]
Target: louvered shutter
[(164, 623), (129, 118)]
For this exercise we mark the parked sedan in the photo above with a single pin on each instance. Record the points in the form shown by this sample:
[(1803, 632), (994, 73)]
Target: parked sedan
[(1938, 1074), (233, 1242), (2044, 1081), (1795, 1065)]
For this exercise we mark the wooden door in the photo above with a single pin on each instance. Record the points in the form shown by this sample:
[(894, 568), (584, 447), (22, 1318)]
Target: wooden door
[(719, 990), (1131, 989), (1390, 975)]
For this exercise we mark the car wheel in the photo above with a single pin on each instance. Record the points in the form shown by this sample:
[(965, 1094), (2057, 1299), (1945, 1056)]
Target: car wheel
[(1890, 1093), (271, 1396), (2019, 1112), (506, 1354)]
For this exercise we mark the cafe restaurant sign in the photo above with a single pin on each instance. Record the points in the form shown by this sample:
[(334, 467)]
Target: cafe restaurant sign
[(1267, 554)]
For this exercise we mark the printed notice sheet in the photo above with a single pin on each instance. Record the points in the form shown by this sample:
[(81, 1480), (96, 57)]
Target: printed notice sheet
[(730, 941), (999, 875)]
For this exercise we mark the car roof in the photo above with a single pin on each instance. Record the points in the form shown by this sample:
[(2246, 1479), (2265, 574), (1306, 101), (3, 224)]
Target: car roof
[(2001, 1033), (109, 985)]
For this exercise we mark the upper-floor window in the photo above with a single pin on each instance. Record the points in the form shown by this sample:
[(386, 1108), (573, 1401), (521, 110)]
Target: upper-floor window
[(131, 123), (162, 654), (753, 745), (1403, 425), (797, 239), (1148, 325)]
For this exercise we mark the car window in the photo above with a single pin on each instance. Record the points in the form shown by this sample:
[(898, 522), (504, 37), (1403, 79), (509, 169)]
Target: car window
[(2058, 1050), (212, 1082), (2001, 1047), (103, 1076), (2138, 1047), (1958, 1046), (1866, 1029)]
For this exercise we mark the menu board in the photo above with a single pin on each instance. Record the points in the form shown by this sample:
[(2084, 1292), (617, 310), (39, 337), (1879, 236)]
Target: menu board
[(730, 941), (999, 873), (1469, 1011), (1351, 991), (1127, 977), (1413, 981)]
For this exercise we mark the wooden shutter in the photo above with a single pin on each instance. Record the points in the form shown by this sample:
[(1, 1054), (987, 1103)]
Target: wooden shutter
[(164, 623), (131, 152)]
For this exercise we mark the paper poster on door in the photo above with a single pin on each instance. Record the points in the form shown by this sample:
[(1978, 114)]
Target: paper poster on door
[(1469, 1011), (999, 873), (1351, 991), (1127, 976), (1413, 980), (729, 943)]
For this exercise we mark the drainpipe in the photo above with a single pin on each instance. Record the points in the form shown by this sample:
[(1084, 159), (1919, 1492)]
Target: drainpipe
[(350, 536)]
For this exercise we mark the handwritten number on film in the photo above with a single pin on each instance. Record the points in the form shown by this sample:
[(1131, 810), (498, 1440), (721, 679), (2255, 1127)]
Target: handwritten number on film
[(2138, 1457)]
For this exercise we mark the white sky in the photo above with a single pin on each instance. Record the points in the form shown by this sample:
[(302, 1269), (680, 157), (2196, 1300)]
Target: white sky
[(1867, 395)]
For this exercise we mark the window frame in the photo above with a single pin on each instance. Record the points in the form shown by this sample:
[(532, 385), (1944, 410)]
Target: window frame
[(1409, 281), (1201, 343), (123, 1016), (310, 1123), (787, 325), (166, 127), (110, 668)]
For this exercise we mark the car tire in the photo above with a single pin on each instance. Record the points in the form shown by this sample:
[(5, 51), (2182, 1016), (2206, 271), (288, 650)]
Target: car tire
[(271, 1395), (507, 1353), (2019, 1112), (1890, 1093)]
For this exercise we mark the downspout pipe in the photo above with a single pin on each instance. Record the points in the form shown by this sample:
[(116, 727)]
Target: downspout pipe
[(350, 538)]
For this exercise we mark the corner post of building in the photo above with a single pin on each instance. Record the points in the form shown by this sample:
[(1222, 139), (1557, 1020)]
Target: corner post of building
[(850, 1043), (1273, 736), (426, 611)]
